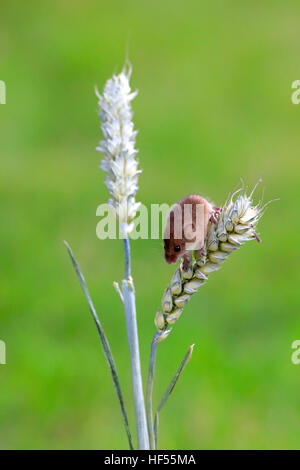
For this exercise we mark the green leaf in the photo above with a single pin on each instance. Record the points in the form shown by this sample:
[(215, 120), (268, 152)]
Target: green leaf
[(105, 346)]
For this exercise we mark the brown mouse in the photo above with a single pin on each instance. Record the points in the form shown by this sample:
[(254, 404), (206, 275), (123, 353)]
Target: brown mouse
[(186, 228)]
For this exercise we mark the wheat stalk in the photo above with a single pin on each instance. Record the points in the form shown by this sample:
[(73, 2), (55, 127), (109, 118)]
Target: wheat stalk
[(236, 224), (121, 167)]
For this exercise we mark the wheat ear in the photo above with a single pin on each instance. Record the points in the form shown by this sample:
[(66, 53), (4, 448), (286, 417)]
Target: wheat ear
[(235, 226)]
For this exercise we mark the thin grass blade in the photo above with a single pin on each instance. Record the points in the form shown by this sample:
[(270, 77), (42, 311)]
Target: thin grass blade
[(151, 432), (156, 419), (171, 387), (105, 346)]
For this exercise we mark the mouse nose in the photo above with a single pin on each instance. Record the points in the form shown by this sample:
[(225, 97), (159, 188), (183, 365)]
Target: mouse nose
[(170, 259)]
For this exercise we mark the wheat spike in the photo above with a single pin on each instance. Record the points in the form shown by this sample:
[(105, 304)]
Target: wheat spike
[(236, 224)]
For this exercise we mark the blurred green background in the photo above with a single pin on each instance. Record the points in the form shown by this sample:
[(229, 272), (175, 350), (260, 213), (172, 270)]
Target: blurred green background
[(214, 105)]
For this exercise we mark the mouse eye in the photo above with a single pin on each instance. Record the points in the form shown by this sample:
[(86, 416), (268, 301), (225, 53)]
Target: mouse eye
[(177, 248)]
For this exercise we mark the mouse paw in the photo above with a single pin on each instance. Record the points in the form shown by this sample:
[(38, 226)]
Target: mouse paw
[(214, 215), (256, 237), (203, 251), (186, 261), (200, 253)]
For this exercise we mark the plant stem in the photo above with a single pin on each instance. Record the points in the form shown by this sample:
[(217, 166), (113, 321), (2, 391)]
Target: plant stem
[(154, 345), (127, 258), (132, 332)]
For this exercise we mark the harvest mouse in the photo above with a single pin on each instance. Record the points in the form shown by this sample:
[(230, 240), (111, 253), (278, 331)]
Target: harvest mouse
[(186, 228)]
